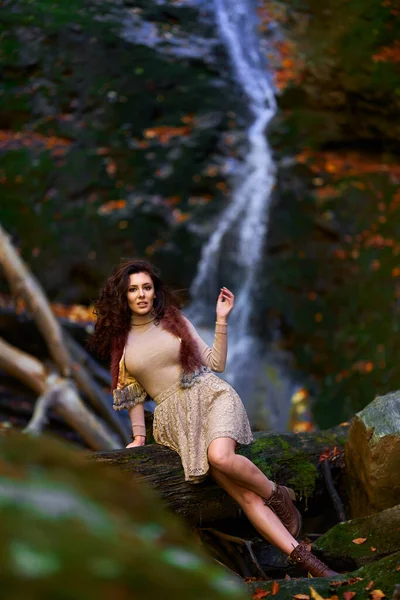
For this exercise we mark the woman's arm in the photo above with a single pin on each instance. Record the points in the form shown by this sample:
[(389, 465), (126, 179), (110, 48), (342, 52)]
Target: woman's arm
[(136, 415), (214, 358)]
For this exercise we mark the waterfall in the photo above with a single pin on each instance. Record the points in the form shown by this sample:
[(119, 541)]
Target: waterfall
[(234, 250)]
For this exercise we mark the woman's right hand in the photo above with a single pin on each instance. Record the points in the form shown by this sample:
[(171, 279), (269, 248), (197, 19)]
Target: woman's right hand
[(139, 440)]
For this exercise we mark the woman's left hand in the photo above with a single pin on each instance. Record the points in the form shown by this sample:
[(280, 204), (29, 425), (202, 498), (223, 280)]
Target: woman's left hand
[(225, 303)]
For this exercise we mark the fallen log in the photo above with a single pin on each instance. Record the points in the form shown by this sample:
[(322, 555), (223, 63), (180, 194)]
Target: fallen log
[(287, 458)]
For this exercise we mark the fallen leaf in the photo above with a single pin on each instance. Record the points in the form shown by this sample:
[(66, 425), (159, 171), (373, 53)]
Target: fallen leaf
[(275, 588), (373, 549), (301, 597), (370, 586), (259, 593), (111, 167), (348, 595), (315, 594), (359, 540), (345, 581), (377, 594)]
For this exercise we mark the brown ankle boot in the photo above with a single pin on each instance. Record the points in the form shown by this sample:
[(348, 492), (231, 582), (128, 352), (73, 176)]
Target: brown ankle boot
[(281, 503), (307, 561)]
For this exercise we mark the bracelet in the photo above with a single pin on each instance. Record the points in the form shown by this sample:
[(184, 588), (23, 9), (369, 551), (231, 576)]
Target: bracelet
[(216, 322)]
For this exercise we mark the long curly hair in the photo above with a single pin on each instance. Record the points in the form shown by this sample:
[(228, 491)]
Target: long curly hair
[(112, 309)]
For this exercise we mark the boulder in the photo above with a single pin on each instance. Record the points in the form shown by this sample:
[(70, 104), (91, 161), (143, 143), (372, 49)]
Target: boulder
[(373, 457), (380, 531), (384, 574), (74, 529)]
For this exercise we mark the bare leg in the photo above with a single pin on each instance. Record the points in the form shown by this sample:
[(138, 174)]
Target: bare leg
[(221, 456), (259, 515)]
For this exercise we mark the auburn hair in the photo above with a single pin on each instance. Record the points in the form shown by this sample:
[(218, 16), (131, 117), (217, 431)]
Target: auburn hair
[(113, 315)]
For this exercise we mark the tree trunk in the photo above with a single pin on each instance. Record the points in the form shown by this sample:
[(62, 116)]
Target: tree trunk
[(286, 458)]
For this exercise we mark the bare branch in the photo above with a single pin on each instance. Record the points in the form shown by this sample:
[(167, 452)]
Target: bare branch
[(58, 392), (25, 285), (23, 366)]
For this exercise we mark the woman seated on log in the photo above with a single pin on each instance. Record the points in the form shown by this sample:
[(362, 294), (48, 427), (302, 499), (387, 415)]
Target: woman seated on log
[(157, 353)]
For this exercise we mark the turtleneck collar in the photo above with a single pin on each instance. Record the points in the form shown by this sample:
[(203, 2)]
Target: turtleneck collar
[(138, 320)]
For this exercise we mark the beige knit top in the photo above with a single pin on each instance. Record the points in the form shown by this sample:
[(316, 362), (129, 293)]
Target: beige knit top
[(152, 357)]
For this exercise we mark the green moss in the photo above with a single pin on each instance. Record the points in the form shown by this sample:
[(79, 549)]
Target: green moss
[(273, 455), (380, 530), (305, 478), (384, 573), (71, 529)]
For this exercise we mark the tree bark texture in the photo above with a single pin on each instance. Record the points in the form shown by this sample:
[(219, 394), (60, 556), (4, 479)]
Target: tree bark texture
[(287, 458)]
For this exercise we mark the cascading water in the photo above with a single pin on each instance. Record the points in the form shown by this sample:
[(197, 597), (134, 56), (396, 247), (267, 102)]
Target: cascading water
[(246, 218)]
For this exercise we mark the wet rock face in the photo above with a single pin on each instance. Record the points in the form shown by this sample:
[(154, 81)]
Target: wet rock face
[(122, 112), (373, 457), (76, 530), (379, 531)]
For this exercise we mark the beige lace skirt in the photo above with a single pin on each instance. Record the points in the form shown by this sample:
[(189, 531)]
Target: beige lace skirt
[(187, 420)]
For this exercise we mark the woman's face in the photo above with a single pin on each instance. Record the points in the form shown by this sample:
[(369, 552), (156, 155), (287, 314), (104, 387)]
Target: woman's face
[(140, 294)]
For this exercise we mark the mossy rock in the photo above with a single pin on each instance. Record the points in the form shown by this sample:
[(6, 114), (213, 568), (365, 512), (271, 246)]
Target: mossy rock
[(385, 574), (73, 529), (381, 531), (373, 456)]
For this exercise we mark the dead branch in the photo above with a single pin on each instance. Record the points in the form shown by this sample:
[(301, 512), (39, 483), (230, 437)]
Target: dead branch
[(25, 286), (58, 392), (81, 356), (40, 414)]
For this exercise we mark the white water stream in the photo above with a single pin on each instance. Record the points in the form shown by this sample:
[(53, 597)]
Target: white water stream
[(237, 243)]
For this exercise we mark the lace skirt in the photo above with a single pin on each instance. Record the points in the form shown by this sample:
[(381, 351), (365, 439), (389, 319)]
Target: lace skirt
[(187, 420)]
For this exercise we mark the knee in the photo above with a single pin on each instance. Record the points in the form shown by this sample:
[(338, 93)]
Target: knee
[(219, 459)]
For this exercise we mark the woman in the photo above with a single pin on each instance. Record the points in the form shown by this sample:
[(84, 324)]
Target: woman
[(157, 353)]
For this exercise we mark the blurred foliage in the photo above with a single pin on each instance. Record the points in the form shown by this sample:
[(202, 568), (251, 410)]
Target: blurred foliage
[(71, 528), (110, 123), (334, 263)]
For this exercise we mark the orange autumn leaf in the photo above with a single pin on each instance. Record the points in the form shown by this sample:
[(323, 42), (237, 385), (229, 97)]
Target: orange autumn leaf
[(301, 597), (111, 167), (109, 207), (258, 594), (377, 594), (348, 595), (179, 216), (172, 200), (164, 133), (101, 151), (275, 588), (359, 540), (389, 54), (373, 549), (345, 581), (370, 586)]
